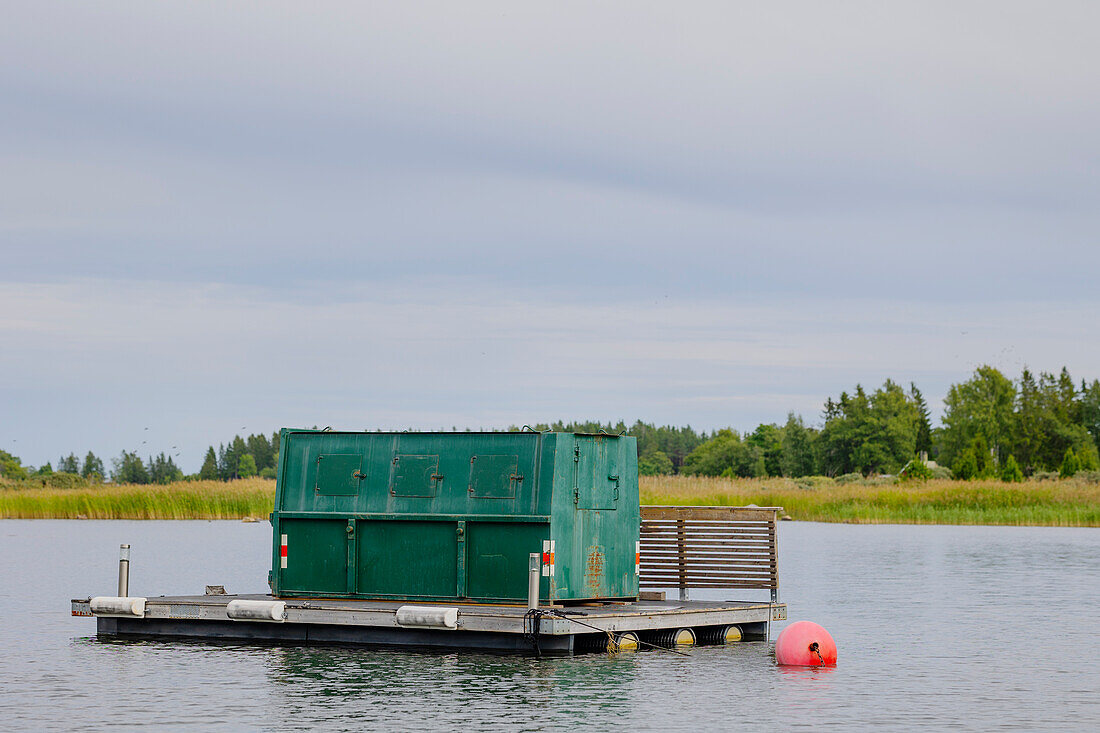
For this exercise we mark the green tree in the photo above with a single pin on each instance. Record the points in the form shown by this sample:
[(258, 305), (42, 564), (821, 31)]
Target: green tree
[(724, 454), (247, 466), (758, 468), (209, 470), (1051, 417), (11, 467), (163, 470), (129, 469), (869, 434), (915, 470), (44, 470), (769, 440), (1068, 408), (1028, 423), (260, 450), (797, 457), (656, 463), (674, 442), (69, 464), (233, 453), (93, 468), (982, 407), (894, 422), (1087, 458), (966, 465), (227, 462), (1069, 464), (839, 437), (983, 454), (1090, 410), (924, 423), (1010, 471)]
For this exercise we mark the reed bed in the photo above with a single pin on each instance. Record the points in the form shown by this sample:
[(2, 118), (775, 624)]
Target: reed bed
[(240, 499), (1065, 503)]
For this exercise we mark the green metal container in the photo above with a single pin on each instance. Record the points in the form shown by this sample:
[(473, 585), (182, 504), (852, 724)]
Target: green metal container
[(454, 516)]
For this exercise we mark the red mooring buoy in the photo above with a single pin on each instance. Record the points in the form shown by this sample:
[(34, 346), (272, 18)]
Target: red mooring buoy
[(805, 644)]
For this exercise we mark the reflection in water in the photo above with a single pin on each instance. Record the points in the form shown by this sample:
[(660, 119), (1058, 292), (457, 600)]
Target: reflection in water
[(806, 673), (337, 684)]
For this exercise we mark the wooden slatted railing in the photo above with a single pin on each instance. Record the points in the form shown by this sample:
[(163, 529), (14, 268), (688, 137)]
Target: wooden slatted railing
[(710, 547)]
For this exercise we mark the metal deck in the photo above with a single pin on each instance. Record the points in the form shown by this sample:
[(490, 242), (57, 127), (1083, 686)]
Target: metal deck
[(374, 622)]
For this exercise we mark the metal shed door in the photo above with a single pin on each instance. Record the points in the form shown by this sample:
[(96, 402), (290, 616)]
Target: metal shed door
[(596, 472)]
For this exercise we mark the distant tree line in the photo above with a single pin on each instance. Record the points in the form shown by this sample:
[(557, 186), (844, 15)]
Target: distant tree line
[(992, 426), (128, 468), (255, 455), (91, 469), (242, 458), (1039, 423)]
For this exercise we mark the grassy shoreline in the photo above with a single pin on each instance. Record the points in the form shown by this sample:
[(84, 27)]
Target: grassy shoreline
[(1066, 503), (239, 499)]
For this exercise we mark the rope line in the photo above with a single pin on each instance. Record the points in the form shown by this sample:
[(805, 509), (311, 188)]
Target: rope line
[(532, 621)]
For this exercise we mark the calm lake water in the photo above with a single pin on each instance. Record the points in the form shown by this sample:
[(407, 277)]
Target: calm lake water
[(972, 628)]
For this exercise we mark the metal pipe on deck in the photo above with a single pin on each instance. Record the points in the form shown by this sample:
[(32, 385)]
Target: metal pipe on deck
[(123, 571), (534, 571)]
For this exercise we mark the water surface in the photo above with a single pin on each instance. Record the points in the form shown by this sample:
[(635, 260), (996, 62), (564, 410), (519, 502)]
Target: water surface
[(971, 628)]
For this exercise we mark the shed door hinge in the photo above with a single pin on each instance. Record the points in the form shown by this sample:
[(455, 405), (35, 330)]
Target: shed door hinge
[(576, 496)]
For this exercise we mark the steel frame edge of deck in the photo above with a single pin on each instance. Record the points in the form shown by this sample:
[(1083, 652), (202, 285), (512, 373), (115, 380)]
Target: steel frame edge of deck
[(481, 627)]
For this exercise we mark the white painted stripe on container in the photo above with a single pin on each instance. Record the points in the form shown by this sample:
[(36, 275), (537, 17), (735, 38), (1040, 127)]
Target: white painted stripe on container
[(545, 558)]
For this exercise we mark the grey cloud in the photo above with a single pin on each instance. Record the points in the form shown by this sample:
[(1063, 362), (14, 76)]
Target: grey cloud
[(711, 183), (193, 360)]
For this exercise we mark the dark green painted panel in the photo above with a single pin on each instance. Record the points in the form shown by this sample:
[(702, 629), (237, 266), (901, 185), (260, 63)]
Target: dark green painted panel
[(297, 482), (414, 475), (338, 474), (497, 555), (407, 558), (494, 476), (316, 557)]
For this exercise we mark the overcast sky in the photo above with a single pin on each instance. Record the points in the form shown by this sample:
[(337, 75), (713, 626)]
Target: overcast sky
[(220, 218)]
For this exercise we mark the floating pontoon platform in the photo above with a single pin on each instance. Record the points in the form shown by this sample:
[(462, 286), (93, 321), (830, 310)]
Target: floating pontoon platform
[(711, 548), (501, 628)]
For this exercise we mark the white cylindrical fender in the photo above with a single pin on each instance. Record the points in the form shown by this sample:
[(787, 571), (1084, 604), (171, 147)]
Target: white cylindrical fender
[(241, 610), (128, 607), (429, 617)]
